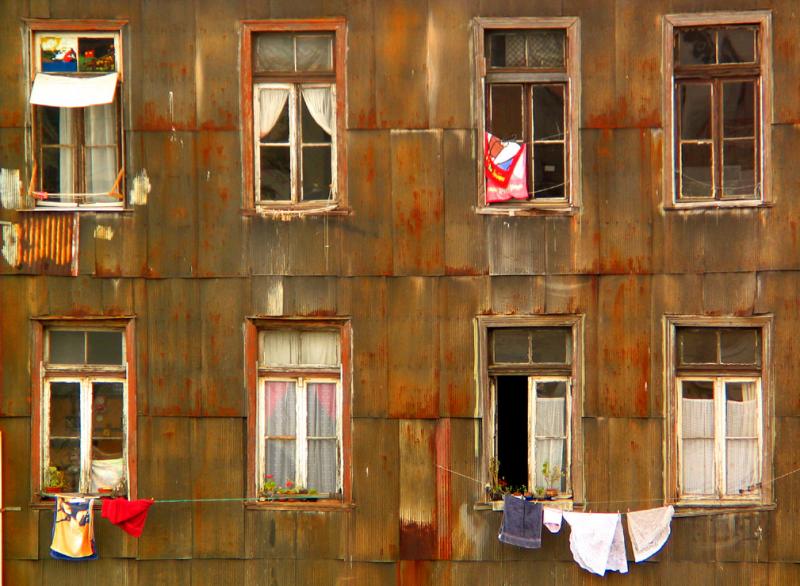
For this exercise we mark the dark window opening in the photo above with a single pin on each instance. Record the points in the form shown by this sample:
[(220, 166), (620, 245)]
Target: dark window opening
[(512, 429)]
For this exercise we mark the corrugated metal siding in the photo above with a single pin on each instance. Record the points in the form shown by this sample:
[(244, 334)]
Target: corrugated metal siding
[(50, 243)]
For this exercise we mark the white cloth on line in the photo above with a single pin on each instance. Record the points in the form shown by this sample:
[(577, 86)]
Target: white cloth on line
[(551, 519), (64, 91), (649, 531), (597, 542)]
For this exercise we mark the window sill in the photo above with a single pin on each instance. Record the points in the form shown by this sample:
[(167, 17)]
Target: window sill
[(549, 210), (82, 209), (703, 206), (289, 213), (565, 504), (47, 501), (721, 508), (300, 505)]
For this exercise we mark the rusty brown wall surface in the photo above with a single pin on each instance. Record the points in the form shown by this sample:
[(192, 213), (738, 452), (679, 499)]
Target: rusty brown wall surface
[(411, 264)]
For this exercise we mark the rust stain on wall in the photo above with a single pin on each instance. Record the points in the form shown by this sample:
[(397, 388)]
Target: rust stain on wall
[(50, 243)]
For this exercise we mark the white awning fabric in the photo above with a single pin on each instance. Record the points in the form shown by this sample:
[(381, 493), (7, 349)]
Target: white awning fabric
[(62, 91)]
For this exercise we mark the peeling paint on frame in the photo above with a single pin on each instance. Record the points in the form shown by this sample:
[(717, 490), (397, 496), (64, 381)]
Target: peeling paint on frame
[(140, 189)]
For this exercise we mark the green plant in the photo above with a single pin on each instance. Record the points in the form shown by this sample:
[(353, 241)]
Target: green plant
[(538, 492), (55, 478), (551, 475), (272, 490), (497, 486)]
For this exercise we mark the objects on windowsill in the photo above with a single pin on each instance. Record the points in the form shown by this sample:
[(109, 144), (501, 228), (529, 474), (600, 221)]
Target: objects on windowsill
[(272, 491), (552, 476), (55, 481)]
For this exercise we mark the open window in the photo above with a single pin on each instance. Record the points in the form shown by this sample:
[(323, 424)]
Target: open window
[(718, 69), (531, 377), (76, 113), (85, 416), (528, 113), (719, 412), (293, 104)]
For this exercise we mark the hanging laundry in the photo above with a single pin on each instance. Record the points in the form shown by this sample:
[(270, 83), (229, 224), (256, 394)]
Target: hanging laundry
[(597, 542), (73, 529), (552, 519), (505, 169), (522, 523), (649, 531), (129, 515)]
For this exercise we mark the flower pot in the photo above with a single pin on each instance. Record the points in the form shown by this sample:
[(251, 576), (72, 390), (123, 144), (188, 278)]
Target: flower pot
[(53, 489), (551, 493)]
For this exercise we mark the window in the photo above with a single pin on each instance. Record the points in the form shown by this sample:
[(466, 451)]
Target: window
[(76, 112), (719, 412), (530, 370), (294, 103), (719, 74), (86, 407), (528, 110), (301, 431)]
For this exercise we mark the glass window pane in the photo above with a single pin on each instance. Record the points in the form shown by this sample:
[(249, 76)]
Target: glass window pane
[(741, 466), (273, 115), (273, 52), (548, 112), (280, 461), (695, 46), (108, 435), (505, 107), (553, 453), (322, 465), (312, 131), (279, 406), (321, 398), (695, 111), (739, 168), (58, 171), (738, 104), (320, 348), (737, 45), (548, 170), (697, 346), (696, 170), (49, 124), (546, 48), (278, 347), (66, 347), (506, 49), (741, 410), (314, 53), (65, 436), (276, 178), (316, 173), (104, 347), (698, 476), (740, 346), (511, 345), (551, 345)]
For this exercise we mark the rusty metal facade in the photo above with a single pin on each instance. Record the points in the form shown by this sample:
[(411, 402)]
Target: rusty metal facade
[(411, 265)]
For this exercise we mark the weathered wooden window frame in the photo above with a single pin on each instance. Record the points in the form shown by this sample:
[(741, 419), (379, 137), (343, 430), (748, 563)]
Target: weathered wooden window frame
[(483, 326), (44, 374), (250, 203), (37, 27), (255, 379), (672, 429), (762, 19), (572, 105)]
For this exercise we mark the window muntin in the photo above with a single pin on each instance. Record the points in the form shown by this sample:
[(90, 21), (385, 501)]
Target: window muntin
[(78, 159), (84, 403), (300, 408), (294, 117)]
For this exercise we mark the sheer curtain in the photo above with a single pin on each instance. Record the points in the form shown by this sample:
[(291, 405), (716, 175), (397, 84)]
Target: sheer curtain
[(742, 441), (320, 103), (280, 420), (698, 446), (66, 155), (101, 152), (322, 437), (270, 105), (550, 436)]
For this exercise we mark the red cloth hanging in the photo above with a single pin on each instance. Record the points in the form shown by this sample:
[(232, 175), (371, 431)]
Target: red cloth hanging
[(129, 515)]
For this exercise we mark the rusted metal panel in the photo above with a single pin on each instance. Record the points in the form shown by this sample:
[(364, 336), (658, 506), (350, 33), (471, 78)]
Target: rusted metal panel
[(412, 326), (22, 572), (400, 38), (376, 482), (173, 358), (221, 347), (634, 449), (111, 542), (20, 528), (164, 444), (691, 540), (361, 112), (786, 36), (464, 243), (596, 470), (784, 531), (308, 245), (417, 202), (322, 572), (724, 227), (218, 527), (417, 490), (623, 355), (17, 294), (149, 572), (517, 294), (572, 240), (310, 296), (679, 242), (742, 537), (12, 103), (112, 571), (321, 535), (216, 572), (742, 574), (50, 243), (221, 245), (729, 293), (521, 8), (367, 247), (270, 572), (516, 246), (270, 534)]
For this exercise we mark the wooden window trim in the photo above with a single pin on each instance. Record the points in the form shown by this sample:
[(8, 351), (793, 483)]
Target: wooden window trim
[(571, 27), (483, 324), (671, 430), (119, 28), (762, 19), (253, 377), (338, 26), (38, 380)]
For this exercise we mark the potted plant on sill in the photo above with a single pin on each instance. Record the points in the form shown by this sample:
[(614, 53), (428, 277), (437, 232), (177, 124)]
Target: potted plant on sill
[(54, 483), (496, 487), (272, 491), (552, 476)]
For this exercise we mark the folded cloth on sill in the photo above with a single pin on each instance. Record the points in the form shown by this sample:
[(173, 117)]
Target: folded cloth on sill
[(551, 519), (129, 515), (505, 168), (73, 529), (597, 542), (649, 531), (522, 523)]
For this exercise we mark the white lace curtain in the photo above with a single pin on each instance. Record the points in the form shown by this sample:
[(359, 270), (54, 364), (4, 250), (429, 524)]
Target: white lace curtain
[(101, 158), (742, 442), (319, 101), (322, 442), (270, 105), (292, 347), (550, 423)]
